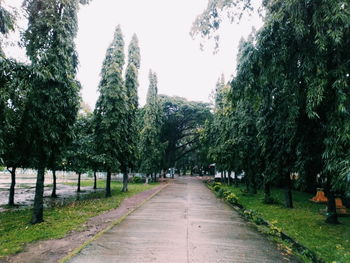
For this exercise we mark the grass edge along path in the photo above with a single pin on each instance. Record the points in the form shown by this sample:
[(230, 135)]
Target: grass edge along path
[(16, 231), (300, 230)]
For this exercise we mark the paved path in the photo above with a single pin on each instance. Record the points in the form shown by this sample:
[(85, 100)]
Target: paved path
[(183, 223)]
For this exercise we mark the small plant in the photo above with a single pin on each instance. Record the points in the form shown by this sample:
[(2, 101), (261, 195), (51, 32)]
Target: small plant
[(259, 221), (217, 186), (226, 193), (274, 230), (232, 198), (220, 193), (248, 214)]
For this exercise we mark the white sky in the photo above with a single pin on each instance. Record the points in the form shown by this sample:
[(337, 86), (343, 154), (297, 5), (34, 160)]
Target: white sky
[(162, 27)]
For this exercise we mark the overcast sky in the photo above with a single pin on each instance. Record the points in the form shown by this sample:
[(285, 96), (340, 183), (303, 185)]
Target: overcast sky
[(162, 27)]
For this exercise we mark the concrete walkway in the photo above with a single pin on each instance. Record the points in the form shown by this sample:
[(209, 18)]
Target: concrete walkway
[(185, 222)]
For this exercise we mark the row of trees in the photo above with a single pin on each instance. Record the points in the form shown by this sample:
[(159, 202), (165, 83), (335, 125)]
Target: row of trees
[(39, 102), (287, 108), (43, 128)]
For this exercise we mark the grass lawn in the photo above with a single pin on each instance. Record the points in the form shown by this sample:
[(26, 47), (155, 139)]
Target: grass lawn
[(304, 223), (15, 230)]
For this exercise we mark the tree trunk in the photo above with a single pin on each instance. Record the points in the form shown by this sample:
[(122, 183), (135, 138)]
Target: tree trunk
[(254, 189), (332, 217), (229, 178), (12, 187), (155, 177), (108, 184), (225, 177), (250, 179), (236, 179), (125, 181), (222, 176), (288, 199), (267, 193), (38, 208), (79, 177), (95, 180), (53, 194)]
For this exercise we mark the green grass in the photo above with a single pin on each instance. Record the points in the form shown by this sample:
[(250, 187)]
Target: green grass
[(15, 230), (304, 223)]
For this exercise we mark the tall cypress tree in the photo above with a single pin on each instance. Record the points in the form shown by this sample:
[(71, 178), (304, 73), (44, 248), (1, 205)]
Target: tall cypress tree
[(151, 148), (53, 101), (131, 85), (111, 119)]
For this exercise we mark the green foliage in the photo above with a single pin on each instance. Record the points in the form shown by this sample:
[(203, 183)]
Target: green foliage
[(15, 232), (182, 125), (137, 180), (287, 108), (231, 198), (217, 187), (131, 84), (110, 115), (78, 153), (53, 99), (150, 146)]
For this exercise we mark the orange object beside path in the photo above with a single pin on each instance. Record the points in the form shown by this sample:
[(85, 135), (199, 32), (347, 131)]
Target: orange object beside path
[(341, 209), (319, 197)]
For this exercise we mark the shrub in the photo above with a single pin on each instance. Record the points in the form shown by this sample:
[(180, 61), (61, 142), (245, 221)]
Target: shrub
[(232, 198), (137, 180), (226, 193), (216, 187), (220, 193)]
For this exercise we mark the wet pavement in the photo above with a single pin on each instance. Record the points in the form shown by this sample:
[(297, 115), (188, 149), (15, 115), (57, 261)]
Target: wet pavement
[(183, 223)]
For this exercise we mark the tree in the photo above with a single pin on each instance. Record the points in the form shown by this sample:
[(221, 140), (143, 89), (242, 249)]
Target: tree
[(131, 84), (181, 125), (301, 73), (150, 146), (78, 153), (15, 85), (111, 112), (53, 100), (7, 24)]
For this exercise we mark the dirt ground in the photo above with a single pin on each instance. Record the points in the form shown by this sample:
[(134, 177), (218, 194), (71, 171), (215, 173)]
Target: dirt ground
[(49, 251)]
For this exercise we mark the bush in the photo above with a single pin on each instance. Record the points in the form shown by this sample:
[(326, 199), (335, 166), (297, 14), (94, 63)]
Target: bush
[(216, 187), (137, 180), (220, 193), (226, 193), (232, 198)]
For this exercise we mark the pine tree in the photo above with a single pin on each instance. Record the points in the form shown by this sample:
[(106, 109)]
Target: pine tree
[(111, 112)]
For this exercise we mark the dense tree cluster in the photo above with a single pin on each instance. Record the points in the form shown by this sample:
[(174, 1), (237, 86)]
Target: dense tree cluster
[(287, 108), (41, 127)]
